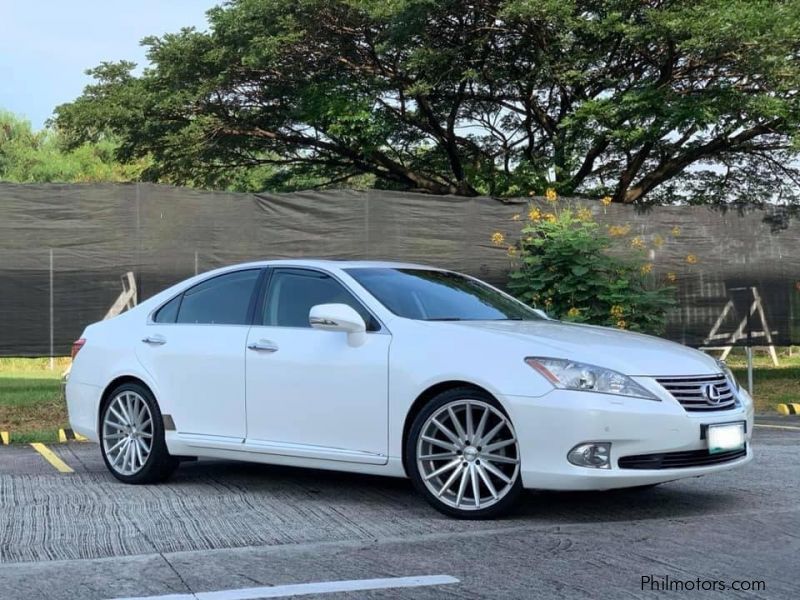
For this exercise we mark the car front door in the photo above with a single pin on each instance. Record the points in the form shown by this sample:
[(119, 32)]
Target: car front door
[(194, 349), (309, 393)]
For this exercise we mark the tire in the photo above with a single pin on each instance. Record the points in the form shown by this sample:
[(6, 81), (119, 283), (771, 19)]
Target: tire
[(449, 482), (134, 449)]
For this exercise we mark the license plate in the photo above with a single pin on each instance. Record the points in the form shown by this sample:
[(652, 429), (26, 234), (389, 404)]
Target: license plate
[(726, 437)]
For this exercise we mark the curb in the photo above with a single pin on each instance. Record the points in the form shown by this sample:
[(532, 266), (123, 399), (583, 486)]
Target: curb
[(4, 438), (790, 408), (67, 435)]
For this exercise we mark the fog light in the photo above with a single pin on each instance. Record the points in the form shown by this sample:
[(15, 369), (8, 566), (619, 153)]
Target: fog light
[(595, 455)]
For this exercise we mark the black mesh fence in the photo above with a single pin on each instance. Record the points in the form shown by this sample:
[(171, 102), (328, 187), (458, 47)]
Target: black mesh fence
[(65, 248)]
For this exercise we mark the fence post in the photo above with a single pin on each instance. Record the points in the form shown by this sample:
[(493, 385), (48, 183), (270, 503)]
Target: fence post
[(52, 352)]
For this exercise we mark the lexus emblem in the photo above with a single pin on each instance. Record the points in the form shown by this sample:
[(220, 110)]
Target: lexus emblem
[(712, 394)]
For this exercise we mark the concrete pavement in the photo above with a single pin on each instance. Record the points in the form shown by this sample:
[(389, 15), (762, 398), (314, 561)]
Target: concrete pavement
[(223, 526)]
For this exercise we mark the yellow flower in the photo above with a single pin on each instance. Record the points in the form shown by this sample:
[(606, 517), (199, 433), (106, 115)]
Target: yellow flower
[(606, 200), (676, 231), (551, 195), (646, 268), (618, 230), (617, 311), (621, 324), (534, 214), (516, 217), (573, 312), (691, 259), (584, 214), (671, 277), (550, 218), (658, 241), (637, 243), (512, 251), (498, 238)]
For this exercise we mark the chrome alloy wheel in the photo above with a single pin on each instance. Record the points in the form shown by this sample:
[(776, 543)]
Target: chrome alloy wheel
[(127, 433), (467, 455)]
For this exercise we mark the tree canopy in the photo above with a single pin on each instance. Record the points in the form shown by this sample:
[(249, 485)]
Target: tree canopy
[(642, 100), (28, 156)]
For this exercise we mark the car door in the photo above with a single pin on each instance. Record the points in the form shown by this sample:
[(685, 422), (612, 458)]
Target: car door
[(309, 393), (194, 349)]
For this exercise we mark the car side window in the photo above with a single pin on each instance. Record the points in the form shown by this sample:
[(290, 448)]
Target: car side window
[(293, 292), (169, 312), (222, 300)]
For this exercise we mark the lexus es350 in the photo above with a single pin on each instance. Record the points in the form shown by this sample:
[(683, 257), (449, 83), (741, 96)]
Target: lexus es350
[(402, 370)]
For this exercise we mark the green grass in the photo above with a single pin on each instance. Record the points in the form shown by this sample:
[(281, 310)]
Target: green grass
[(771, 385), (32, 408)]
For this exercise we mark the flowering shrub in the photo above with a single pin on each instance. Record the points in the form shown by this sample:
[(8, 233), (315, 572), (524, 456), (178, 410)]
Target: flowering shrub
[(561, 264)]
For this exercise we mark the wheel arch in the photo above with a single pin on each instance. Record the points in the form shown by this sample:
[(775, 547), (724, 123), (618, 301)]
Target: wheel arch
[(426, 396), (114, 384)]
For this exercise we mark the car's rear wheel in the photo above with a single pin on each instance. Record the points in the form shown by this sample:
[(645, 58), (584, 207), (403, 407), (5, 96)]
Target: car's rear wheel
[(132, 436), (463, 455)]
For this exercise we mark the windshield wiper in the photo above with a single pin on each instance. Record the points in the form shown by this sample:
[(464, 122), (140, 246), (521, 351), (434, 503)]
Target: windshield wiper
[(444, 319)]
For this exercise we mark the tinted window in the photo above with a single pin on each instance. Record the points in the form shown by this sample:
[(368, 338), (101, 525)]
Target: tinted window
[(168, 312), (439, 295), (292, 293), (223, 300)]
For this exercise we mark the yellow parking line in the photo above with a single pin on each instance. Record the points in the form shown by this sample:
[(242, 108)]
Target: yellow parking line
[(777, 426), (66, 435), (51, 457)]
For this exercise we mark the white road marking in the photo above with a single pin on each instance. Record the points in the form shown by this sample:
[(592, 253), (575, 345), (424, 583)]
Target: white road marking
[(302, 589), (777, 426)]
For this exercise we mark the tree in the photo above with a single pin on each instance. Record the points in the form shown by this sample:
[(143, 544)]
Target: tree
[(27, 156), (643, 100)]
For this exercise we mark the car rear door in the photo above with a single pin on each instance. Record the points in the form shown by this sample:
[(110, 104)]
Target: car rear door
[(194, 350)]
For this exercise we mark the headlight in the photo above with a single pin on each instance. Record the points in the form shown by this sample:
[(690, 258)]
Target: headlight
[(729, 374), (571, 375)]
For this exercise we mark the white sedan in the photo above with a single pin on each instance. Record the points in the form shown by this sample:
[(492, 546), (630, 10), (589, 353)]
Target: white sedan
[(401, 370)]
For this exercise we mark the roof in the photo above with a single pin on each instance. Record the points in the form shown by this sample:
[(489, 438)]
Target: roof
[(347, 264)]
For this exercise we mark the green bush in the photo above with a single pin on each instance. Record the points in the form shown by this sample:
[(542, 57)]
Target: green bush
[(562, 265)]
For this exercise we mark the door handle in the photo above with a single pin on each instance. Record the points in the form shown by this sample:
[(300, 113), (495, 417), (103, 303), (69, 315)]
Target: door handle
[(156, 340), (263, 346)]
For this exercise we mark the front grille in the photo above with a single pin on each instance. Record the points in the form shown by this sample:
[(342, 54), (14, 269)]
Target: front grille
[(679, 460), (701, 393)]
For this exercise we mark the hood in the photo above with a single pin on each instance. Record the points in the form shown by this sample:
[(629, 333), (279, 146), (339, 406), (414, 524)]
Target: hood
[(633, 354)]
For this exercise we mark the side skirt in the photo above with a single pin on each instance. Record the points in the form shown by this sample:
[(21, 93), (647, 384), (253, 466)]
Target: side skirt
[(182, 444)]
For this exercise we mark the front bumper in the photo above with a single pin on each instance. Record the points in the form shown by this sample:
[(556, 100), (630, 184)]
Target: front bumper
[(548, 427)]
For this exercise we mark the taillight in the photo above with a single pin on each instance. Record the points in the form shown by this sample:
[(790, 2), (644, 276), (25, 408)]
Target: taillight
[(76, 347)]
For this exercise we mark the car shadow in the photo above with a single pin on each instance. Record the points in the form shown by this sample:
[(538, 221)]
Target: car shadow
[(677, 499)]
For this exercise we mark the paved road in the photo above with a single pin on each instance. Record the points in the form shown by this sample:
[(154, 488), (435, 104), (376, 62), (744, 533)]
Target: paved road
[(223, 526)]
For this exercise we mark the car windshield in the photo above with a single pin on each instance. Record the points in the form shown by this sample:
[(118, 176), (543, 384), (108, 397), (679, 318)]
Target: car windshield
[(431, 295)]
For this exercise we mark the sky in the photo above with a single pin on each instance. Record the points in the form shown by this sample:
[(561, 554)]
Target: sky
[(46, 45)]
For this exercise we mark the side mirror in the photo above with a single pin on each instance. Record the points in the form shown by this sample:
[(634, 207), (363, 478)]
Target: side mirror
[(542, 314), (339, 317)]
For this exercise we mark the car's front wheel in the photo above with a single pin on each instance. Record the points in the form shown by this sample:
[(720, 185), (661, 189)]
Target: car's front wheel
[(132, 436), (463, 456)]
